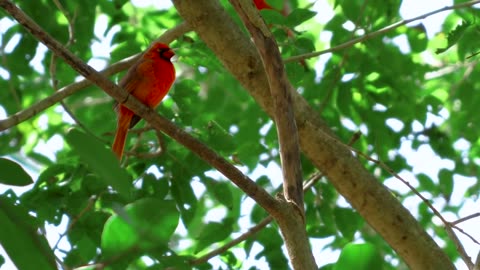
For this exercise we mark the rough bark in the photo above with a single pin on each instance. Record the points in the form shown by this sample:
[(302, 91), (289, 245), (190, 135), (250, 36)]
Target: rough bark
[(292, 218)]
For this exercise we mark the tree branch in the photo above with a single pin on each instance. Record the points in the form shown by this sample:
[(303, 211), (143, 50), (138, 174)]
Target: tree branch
[(69, 90), (158, 122), (292, 223), (280, 90), (365, 193), (454, 223)]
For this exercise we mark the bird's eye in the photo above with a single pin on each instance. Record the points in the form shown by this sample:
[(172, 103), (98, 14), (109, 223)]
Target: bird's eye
[(165, 53)]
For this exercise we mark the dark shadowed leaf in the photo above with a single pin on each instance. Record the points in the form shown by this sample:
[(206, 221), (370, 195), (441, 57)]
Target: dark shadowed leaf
[(298, 16), (100, 160), (347, 221), (445, 178), (211, 233), (20, 239), (11, 173)]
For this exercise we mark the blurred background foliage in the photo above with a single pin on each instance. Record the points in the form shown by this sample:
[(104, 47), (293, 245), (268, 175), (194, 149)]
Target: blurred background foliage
[(395, 89)]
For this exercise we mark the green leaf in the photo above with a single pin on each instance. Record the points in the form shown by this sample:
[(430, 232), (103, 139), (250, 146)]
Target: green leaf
[(272, 17), (417, 38), (271, 240), (298, 16), (229, 258), (426, 183), (469, 45), (348, 222), (454, 36), (359, 257), (220, 137), (153, 186), (182, 193), (295, 72), (221, 191), (52, 172), (258, 213), (344, 98), (13, 174), (328, 217), (445, 178), (351, 8), (100, 160), (248, 153), (213, 232), (18, 236), (145, 224)]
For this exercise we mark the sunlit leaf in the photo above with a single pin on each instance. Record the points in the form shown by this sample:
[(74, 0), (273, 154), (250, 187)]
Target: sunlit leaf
[(144, 224), (454, 36), (359, 256)]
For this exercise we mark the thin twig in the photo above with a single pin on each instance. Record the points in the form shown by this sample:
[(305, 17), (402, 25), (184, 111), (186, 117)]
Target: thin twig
[(379, 32), (459, 247), (465, 219), (313, 180), (465, 233), (252, 231)]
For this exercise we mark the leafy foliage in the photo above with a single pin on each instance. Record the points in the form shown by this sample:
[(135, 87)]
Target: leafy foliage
[(455, 35), (171, 208), (18, 237)]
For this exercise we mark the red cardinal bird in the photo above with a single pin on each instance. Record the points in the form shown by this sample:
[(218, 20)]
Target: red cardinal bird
[(149, 80), (261, 4)]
